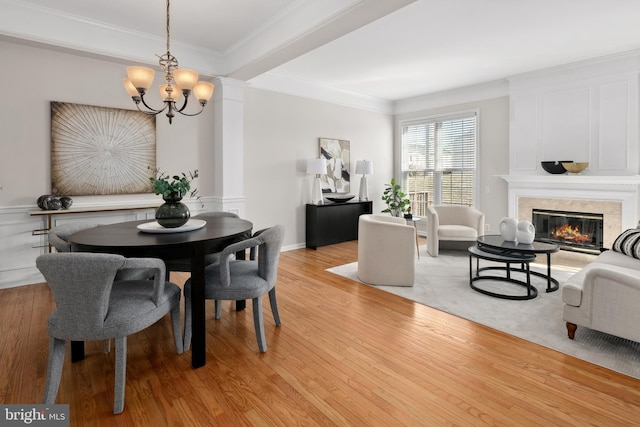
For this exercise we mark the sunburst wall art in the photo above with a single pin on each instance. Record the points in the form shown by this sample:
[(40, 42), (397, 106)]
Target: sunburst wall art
[(100, 150)]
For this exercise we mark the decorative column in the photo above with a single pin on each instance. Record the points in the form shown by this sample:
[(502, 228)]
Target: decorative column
[(228, 142)]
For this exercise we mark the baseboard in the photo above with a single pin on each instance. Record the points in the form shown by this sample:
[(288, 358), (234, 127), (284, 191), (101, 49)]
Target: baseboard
[(20, 277)]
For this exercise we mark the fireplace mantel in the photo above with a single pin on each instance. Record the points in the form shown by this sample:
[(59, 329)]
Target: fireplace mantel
[(624, 189), (628, 182)]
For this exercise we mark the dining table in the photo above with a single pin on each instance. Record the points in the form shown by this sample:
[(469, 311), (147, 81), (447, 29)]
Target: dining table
[(145, 239)]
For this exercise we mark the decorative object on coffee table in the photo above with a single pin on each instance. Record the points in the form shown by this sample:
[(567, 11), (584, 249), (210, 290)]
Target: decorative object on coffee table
[(173, 213), (508, 228), (526, 232)]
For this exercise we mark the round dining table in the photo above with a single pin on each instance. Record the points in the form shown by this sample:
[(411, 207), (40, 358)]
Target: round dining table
[(137, 239)]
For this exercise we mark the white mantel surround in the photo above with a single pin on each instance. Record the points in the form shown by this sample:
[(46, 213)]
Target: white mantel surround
[(623, 189)]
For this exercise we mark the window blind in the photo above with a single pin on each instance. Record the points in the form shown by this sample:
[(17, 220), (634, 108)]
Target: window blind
[(439, 159)]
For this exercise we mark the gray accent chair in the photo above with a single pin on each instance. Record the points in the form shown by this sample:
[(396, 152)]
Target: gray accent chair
[(243, 279), (59, 239), (184, 265), (91, 305)]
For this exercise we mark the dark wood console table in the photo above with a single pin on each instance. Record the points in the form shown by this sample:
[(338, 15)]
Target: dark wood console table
[(334, 222)]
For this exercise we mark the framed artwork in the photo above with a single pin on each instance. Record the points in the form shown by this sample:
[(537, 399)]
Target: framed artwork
[(100, 150), (337, 154)]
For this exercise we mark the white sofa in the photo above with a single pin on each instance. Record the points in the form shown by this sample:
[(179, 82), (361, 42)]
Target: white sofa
[(454, 224), (605, 296), (386, 250)]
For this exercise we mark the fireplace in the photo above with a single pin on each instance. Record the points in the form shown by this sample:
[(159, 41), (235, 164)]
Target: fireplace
[(572, 231)]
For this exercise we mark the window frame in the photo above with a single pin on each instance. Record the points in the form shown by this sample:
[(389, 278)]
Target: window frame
[(430, 119)]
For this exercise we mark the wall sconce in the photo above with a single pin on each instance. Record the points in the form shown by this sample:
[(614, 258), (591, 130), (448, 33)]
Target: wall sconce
[(364, 167), (317, 167)]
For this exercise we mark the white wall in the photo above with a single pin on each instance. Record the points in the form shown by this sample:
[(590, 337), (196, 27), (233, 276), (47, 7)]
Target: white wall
[(281, 133), (493, 143), (38, 76)]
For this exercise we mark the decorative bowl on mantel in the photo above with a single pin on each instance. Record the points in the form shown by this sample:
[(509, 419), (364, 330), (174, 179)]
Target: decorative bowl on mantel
[(575, 167), (555, 167)]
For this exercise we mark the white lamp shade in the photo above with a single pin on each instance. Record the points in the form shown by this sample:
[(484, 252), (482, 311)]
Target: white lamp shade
[(203, 91), (185, 79), (317, 166), (140, 77), (131, 89), (364, 167)]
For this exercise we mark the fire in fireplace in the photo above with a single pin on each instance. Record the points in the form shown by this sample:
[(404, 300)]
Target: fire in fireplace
[(572, 231)]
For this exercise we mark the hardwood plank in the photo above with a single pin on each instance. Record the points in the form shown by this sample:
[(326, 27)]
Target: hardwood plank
[(346, 354)]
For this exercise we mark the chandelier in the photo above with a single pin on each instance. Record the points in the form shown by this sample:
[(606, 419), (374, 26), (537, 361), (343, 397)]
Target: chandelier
[(139, 79)]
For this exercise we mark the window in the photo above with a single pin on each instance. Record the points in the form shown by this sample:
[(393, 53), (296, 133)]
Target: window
[(439, 161)]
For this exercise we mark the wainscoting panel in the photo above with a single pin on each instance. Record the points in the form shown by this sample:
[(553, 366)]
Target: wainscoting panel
[(21, 243)]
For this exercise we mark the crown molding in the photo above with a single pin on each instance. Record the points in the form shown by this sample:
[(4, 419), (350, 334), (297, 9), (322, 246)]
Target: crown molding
[(274, 83), (52, 28)]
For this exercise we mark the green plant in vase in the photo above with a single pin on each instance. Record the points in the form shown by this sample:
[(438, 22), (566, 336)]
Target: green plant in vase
[(177, 185), (173, 213), (396, 200)]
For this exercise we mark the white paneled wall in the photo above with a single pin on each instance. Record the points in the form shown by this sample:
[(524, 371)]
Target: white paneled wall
[(585, 112), (20, 246)]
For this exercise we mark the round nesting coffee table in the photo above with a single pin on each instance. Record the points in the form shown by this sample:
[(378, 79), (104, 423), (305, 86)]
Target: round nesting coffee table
[(495, 244), (507, 259)]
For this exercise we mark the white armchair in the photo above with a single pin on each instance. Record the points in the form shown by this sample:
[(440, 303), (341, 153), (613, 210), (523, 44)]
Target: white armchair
[(452, 223), (386, 250)]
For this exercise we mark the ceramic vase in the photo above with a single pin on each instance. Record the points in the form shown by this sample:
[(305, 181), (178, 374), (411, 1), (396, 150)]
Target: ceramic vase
[(526, 232), (508, 228), (172, 213)]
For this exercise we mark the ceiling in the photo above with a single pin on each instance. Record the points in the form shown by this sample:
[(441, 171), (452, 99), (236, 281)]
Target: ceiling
[(387, 50)]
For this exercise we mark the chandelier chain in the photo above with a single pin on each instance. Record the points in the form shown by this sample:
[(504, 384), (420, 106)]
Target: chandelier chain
[(168, 27)]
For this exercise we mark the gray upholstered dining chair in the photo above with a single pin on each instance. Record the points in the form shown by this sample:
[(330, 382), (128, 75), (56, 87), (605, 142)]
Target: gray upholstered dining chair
[(243, 279), (91, 305), (184, 265), (59, 235), (59, 238)]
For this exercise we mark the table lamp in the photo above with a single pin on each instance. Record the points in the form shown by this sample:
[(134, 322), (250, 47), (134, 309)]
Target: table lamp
[(364, 167), (316, 167)]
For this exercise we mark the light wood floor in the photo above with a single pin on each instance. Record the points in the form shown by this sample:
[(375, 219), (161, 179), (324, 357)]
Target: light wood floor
[(346, 354)]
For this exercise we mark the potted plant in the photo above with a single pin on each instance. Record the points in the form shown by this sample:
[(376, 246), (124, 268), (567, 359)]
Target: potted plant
[(396, 200), (175, 186), (173, 213)]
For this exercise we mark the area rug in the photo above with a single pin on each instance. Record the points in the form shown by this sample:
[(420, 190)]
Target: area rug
[(443, 283)]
